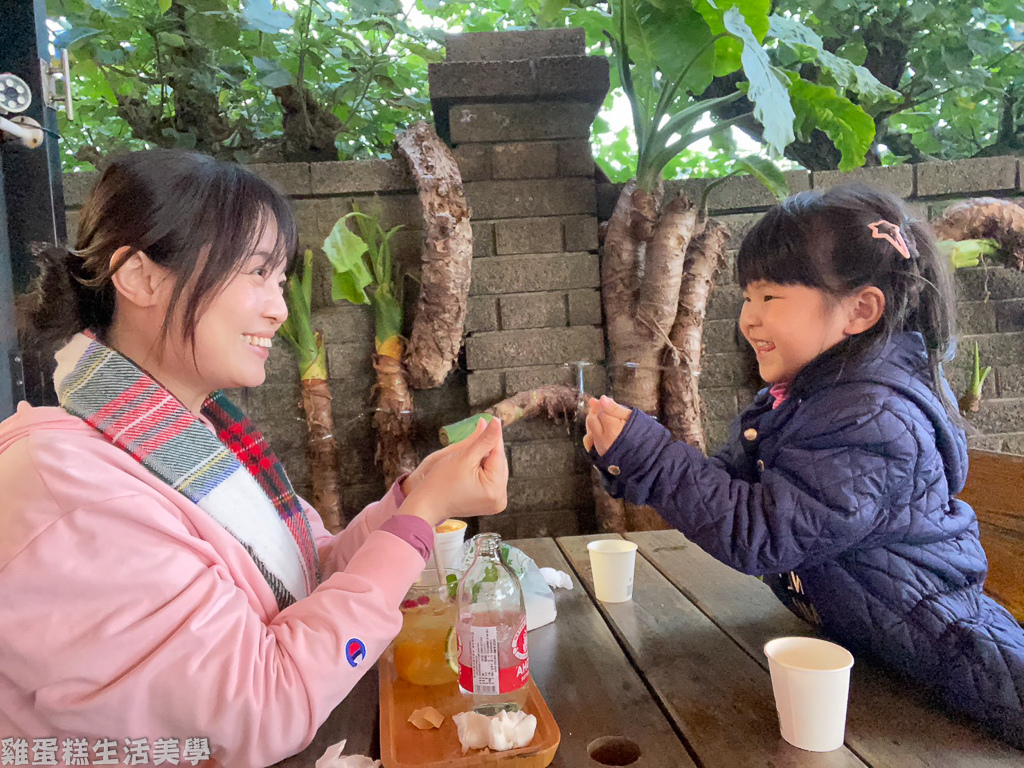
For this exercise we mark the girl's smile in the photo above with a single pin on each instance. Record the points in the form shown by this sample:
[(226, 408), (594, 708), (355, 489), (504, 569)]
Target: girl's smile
[(788, 326)]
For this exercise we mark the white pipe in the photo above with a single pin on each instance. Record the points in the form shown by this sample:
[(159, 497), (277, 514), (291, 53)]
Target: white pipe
[(30, 136)]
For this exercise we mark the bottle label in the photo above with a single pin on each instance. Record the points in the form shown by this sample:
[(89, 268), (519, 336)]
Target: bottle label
[(519, 643), (484, 655), (486, 676)]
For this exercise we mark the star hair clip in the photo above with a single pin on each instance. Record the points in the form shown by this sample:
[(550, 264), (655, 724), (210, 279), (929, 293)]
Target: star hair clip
[(886, 230)]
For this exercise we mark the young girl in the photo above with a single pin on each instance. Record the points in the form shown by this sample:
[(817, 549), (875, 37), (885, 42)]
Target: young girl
[(842, 476), (159, 578)]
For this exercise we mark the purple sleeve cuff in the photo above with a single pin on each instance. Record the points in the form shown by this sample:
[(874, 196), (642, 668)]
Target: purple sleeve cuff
[(413, 530)]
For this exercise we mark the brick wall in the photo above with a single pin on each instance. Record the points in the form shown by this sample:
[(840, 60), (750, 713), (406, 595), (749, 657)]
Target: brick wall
[(517, 108)]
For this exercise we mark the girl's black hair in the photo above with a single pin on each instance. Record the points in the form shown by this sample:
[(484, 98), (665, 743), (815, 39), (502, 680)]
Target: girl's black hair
[(822, 240), (198, 217)]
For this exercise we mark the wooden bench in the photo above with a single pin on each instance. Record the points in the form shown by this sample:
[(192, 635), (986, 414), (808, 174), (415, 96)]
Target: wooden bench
[(995, 488)]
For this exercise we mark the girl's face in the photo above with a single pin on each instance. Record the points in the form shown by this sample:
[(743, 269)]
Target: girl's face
[(233, 336), (788, 326)]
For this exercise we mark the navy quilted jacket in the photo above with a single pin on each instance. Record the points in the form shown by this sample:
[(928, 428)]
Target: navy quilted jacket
[(851, 488)]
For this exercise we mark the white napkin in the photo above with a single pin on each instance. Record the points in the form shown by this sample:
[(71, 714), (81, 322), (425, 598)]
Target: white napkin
[(333, 758), (503, 731), (558, 579)]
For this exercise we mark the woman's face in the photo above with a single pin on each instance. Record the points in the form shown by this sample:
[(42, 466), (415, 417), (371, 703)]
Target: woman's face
[(233, 335)]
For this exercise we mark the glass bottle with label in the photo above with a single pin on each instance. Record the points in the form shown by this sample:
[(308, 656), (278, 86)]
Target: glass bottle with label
[(491, 632)]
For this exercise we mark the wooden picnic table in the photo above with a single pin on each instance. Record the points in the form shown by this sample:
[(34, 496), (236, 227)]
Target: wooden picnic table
[(679, 670)]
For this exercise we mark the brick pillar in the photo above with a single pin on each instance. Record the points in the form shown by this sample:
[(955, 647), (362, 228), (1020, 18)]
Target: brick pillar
[(517, 108)]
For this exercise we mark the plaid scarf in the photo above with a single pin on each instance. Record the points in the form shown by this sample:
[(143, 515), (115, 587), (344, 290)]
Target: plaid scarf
[(237, 479)]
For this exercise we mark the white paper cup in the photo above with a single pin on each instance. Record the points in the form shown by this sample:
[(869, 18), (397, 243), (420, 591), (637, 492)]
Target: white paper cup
[(448, 544), (811, 681), (612, 562)]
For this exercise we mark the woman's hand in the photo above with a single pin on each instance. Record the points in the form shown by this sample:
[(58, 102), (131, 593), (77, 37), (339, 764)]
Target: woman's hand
[(467, 479), (412, 481), (605, 421)]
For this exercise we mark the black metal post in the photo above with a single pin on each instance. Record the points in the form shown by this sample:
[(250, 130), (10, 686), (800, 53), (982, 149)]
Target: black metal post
[(34, 196)]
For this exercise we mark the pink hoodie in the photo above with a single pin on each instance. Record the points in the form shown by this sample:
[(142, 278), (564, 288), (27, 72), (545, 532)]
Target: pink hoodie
[(127, 612)]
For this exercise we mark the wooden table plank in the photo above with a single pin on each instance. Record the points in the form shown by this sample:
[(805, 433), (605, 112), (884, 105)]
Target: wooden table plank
[(890, 723), (588, 683), (356, 719), (720, 698)]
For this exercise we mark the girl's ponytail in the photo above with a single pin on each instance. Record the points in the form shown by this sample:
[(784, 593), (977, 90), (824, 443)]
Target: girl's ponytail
[(931, 295)]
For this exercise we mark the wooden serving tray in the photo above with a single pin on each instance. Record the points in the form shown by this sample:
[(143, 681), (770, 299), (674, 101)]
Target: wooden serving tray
[(402, 745)]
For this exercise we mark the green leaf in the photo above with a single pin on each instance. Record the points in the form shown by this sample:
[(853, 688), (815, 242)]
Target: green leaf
[(767, 91), (109, 7), (855, 78), (967, 253), (851, 128), (682, 123), (298, 328), (362, 10), (853, 50), (847, 75), (345, 249), (791, 31), (387, 315), (165, 5), (728, 50), (69, 37), (171, 39), (766, 172), (665, 39), (277, 78), (261, 16)]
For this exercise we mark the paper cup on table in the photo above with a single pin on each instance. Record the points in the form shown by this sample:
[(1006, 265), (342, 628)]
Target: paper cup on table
[(811, 682), (449, 538), (612, 562)]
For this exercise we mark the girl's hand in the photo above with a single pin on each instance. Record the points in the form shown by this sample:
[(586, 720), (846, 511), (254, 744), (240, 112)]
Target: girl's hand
[(467, 479), (604, 424)]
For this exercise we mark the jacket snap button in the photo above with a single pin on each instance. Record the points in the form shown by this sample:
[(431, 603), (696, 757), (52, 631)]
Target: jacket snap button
[(750, 434), (760, 466), (613, 469)]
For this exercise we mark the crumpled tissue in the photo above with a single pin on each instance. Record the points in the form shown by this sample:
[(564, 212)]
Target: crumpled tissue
[(505, 730), (333, 758), (557, 579)]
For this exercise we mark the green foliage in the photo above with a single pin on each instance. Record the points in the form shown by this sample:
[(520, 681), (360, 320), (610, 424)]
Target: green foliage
[(978, 374), (363, 270), (202, 73), (819, 106), (767, 89), (350, 274), (298, 330), (667, 54), (957, 66), (939, 78), (967, 253)]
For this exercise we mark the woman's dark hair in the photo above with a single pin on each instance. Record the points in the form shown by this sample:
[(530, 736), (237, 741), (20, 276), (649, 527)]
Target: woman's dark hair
[(822, 240), (197, 217)]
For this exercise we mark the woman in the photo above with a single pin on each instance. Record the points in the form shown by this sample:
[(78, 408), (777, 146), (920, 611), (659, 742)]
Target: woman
[(159, 579)]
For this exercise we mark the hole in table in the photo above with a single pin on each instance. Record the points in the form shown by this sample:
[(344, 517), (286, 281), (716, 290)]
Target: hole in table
[(614, 750)]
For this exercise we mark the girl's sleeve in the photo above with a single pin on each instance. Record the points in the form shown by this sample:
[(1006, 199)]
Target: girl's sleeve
[(145, 627), (825, 491)]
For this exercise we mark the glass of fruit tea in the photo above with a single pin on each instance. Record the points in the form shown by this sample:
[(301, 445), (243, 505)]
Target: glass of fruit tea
[(425, 649)]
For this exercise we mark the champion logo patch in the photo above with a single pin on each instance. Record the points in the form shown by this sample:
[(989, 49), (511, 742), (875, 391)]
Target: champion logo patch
[(355, 651)]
